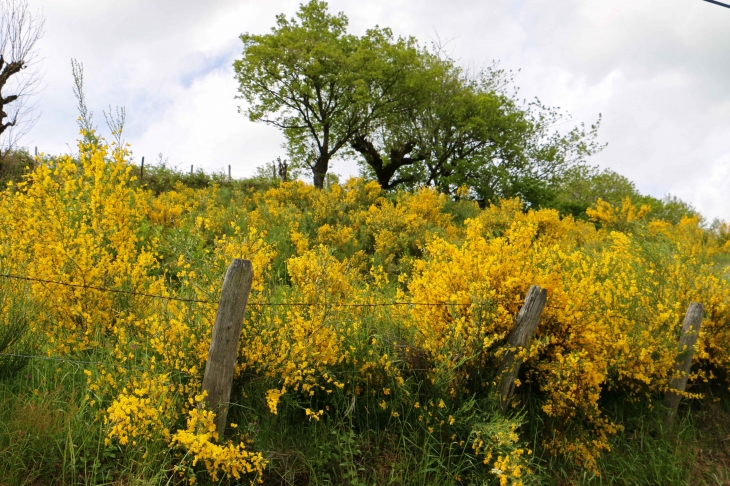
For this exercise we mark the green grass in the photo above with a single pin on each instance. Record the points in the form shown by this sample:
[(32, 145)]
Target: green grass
[(49, 436), (695, 450)]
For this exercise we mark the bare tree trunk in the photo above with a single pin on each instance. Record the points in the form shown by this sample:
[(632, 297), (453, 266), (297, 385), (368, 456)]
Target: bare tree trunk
[(283, 167), (20, 30)]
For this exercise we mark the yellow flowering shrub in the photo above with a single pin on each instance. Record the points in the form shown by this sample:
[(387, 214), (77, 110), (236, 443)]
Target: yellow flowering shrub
[(613, 313), (362, 302), (77, 222), (497, 445), (84, 223), (199, 439), (405, 227)]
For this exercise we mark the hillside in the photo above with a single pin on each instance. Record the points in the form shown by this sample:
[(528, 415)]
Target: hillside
[(371, 347)]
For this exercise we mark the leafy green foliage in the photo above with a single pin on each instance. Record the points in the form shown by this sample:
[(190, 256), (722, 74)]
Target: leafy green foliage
[(580, 187), (410, 115), (319, 84), (464, 130), (14, 164)]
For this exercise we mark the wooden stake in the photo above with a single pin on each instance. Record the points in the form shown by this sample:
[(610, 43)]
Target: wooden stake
[(141, 170), (683, 365), (223, 352), (525, 326), (229, 172)]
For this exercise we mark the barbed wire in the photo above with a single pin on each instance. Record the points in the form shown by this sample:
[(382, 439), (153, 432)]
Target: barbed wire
[(612, 316), (372, 304), (50, 358), (103, 289), (290, 304), (210, 302), (99, 363)]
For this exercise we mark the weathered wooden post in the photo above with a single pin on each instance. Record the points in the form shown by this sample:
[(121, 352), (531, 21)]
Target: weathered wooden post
[(141, 170), (519, 337), (191, 169), (223, 352), (229, 172), (686, 351)]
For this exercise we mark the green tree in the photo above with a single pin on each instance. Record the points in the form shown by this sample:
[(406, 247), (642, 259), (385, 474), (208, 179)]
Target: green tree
[(318, 84), (459, 129), (411, 116), (580, 187)]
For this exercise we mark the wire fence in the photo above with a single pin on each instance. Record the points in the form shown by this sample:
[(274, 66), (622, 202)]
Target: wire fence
[(210, 302), (255, 303), (282, 304), (179, 372), (218, 385)]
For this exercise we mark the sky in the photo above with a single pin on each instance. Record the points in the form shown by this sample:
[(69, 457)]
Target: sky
[(657, 71)]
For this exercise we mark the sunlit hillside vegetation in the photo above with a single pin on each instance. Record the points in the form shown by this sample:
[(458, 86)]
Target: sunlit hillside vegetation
[(345, 375)]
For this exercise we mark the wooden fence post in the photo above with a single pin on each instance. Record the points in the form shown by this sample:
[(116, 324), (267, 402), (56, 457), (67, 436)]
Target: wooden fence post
[(141, 170), (686, 350), (223, 352), (519, 337), (229, 172)]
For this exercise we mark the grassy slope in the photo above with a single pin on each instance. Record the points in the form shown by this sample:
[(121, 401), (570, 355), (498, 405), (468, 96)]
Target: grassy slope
[(48, 436)]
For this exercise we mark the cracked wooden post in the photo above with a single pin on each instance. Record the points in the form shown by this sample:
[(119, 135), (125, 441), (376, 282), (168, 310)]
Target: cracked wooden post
[(683, 365), (519, 337), (223, 353)]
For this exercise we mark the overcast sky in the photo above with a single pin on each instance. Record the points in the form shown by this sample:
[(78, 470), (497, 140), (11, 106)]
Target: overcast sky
[(658, 71)]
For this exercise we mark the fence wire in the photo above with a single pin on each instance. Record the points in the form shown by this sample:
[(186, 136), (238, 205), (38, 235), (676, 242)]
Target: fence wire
[(210, 302), (258, 304), (289, 304)]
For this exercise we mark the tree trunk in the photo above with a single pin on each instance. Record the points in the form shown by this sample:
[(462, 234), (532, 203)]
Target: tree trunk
[(384, 172), (8, 70), (319, 171)]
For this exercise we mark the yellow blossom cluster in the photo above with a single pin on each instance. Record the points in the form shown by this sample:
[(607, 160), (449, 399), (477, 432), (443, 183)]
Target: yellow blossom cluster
[(357, 295), (232, 460), (614, 310)]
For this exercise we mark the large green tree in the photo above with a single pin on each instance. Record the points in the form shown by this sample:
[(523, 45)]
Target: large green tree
[(463, 129), (320, 85), (411, 116)]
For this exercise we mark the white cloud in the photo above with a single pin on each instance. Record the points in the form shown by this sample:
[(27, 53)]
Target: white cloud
[(657, 70)]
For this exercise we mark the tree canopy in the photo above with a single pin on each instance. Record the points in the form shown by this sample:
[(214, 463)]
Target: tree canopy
[(319, 84), (410, 116), (581, 186)]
